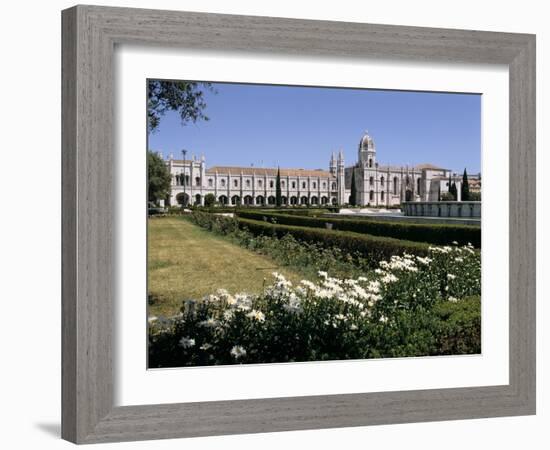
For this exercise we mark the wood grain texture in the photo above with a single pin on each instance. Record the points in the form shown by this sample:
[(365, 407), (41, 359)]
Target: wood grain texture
[(89, 36)]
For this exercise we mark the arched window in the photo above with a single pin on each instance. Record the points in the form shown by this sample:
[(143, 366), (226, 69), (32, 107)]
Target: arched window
[(271, 184), (260, 183), (222, 182), (324, 185), (282, 184), (370, 162), (303, 184), (314, 185), (210, 182), (382, 196), (187, 180), (333, 186), (236, 183), (418, 185), (247, 183), (371, 181), (371, 196), (197, 181), (382, 182), (395, 185)]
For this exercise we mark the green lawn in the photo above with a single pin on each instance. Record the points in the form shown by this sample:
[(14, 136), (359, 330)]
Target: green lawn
[(185, 261)]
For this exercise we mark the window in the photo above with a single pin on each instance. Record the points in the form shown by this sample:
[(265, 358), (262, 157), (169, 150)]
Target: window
[(371, 196), (314, 185), (370, 162), (223, 183), (303, 184), (260, 183), (394, 185), (418, 185), (271, 184), (324, 184), (382, 195), (282, 184), (333, 186), (210, 182), (371, 181), (294, 185), (247, 183), (382, 182), (236, 183)]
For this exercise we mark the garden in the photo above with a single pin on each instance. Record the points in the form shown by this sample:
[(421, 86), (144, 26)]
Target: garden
[(266, 287)]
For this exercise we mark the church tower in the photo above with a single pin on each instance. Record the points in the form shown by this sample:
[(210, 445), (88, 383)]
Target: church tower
[(332, 166), (341, 179), (367, 152)]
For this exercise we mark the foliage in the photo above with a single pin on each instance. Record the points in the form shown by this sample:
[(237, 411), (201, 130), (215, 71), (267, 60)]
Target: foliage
[(475, 196), (209, 200), (370, 247), (408, 306), (185, 97), (433, 233), (304, 257), (465, 188), (453, 191), (447, 197), (158, 178)]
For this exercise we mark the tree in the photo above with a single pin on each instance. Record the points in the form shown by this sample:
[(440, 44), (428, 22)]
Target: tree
[(353, 194), (209, 200), (439, 193), (158, 178), (278, 197), (187, 98), (453, 191), (465, 188)]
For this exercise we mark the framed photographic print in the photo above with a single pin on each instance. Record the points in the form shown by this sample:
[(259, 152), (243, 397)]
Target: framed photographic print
[(307, 224)]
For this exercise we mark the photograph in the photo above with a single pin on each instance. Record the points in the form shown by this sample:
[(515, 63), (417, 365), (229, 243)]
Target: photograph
[(291, 224)]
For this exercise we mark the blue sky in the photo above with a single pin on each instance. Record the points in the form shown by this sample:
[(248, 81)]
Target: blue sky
[(285, 126)]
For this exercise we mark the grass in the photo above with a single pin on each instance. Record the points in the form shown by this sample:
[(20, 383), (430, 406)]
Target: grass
[(187, 262)]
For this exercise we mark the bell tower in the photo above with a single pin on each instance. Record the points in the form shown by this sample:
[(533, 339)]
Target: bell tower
[(367, 152)]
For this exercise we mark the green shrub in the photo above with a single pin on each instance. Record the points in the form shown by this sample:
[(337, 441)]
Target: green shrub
[(373, 247), (458, 328), (432, 233)]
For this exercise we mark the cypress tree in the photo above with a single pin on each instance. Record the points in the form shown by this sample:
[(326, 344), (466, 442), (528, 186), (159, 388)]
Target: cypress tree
[(453, 191), (439, 193), (353, 195), (465, 188), (278, 197)]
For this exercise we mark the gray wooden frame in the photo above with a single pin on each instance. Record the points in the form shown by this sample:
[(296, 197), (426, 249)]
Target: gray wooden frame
[(89, 36)]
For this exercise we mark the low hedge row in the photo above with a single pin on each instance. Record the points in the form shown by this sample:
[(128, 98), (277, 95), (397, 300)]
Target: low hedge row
[(431, 233), (375, 248)]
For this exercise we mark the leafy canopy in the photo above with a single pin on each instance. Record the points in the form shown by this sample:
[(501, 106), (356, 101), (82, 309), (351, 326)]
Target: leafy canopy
[(158, 178), (185, 97)]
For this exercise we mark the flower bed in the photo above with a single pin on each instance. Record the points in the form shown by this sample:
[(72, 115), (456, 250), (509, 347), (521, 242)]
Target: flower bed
[(409, 306)]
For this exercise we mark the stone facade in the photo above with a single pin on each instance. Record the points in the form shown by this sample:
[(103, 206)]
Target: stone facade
[(377, 185)]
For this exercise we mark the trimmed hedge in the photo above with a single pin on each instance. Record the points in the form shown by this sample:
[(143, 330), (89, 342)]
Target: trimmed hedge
[(375, 248), (434, 234)]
